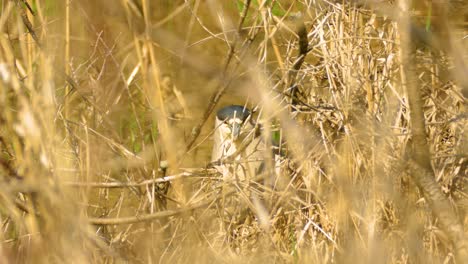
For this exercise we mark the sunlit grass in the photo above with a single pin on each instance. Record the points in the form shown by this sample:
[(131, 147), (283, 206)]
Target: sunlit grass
[(101, 160)]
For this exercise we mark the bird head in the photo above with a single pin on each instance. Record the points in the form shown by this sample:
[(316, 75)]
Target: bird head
[(231, 119)]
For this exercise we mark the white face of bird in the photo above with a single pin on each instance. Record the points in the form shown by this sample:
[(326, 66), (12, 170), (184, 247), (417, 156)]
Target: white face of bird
[(231, 121), (235, 125), (231, 129)]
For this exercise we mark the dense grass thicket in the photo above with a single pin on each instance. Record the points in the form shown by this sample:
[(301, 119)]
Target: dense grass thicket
[(106, 122)]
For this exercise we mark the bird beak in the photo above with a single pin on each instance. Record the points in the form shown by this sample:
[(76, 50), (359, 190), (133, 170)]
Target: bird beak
[(235, 131)]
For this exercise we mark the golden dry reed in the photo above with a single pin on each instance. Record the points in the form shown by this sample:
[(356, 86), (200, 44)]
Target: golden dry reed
[(106, 127)]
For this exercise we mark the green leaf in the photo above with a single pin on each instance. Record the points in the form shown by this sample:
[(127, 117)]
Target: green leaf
[(276, 10), (428, 19), (240, 5), (276, 136)]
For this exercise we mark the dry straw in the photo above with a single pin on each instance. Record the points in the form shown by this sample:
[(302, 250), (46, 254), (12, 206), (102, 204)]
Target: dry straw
[(107, 116)]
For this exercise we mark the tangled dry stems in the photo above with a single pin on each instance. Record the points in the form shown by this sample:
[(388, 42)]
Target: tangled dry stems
[(89, 138)]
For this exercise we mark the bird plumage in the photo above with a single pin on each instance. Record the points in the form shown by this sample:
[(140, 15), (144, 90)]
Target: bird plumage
[(239, 154), (237, 148)]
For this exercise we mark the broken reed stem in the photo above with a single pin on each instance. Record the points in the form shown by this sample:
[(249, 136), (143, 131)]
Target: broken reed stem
[(160, 214), (224, 84), (421, 169), (142, 183), (303, 50), (145, 217), (441, 207), (26, 22)]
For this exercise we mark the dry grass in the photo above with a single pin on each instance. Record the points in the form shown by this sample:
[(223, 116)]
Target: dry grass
[(107, 116)]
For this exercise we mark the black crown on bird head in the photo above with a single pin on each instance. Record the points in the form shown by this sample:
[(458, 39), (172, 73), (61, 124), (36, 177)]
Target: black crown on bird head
[(232, 111)]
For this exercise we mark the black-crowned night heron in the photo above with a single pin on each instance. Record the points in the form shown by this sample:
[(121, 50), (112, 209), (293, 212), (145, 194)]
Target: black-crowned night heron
[(240, 155), (237, 149)]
